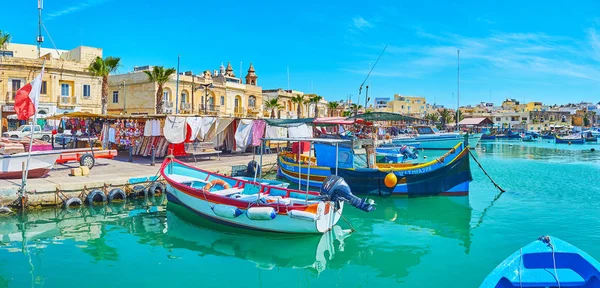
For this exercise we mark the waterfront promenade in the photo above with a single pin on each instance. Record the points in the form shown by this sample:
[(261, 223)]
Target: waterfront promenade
[(113, 173)]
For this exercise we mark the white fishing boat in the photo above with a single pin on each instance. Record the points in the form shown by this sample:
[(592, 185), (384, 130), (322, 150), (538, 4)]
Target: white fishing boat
[(253, 205), (40, 163), (427, 137)]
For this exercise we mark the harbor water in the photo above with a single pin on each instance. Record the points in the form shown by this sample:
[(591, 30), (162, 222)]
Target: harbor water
[(424, 242)]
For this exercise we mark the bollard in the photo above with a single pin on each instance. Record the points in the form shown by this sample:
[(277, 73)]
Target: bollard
[(130, 154), (152, 163)]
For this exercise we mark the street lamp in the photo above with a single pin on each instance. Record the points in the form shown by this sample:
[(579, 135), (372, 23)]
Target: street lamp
[(205, 87)]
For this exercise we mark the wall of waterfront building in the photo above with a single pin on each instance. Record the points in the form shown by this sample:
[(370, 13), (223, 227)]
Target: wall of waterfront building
[(411, 105), (209, 93), (67, 85)]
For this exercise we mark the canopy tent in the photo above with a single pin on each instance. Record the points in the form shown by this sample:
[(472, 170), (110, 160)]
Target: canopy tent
[(476, 122), (383, 116), (333, 121), (78, 115), (289, 122)]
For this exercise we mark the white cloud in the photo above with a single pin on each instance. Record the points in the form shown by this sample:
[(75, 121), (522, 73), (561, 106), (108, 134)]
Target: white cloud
[(360, 23), (74, 8)]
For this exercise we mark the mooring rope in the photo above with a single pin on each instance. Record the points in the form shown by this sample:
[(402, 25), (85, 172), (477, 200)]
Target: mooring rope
[(344, 218), (486, 174)]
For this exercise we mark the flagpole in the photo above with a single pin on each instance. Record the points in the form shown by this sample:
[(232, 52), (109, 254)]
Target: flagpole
[(35, 105)]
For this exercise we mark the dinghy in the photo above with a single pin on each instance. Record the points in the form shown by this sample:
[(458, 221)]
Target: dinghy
[(256, 206), (546, 262)]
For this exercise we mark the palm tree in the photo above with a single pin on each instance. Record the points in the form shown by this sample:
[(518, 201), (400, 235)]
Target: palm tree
[(273, 104), (315, 100), (102, 68), (433, 117), (299, 100), (4, 39), (347, 113), (332, 106), (160, 76), (445, 116), (460, 115), (354, 107)]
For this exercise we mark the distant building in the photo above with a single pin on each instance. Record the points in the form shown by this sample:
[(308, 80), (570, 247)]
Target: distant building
[(510, 104), (67, 85), (380, 102), (410, 105)]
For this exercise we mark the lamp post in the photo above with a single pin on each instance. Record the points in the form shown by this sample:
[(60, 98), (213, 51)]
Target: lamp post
[(205, 87), (124, 100)]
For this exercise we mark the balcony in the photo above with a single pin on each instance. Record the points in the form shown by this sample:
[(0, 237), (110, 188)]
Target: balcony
[(253, 111), (167, 107), (209, 109), (238, 111), (66, 101), (187, 107)]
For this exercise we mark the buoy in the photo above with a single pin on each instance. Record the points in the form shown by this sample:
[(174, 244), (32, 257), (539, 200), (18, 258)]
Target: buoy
[(227, 211), (302, 215), (593, 149), (390, 180), (569, 142), (261, 213), (424, 157)]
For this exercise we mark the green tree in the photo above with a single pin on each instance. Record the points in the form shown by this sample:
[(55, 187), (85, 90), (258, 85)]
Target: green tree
[(273, 104), (4, 39), (315, 100), (347, 113), (299, 100), (355, 107), (160, 76), (445, 116), (102, 68), (332, 106)]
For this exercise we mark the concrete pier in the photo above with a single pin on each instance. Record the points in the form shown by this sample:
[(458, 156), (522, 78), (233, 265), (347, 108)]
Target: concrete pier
[(108, 174)]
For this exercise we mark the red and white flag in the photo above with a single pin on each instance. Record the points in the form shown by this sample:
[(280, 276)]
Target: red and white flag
[(27, 98)]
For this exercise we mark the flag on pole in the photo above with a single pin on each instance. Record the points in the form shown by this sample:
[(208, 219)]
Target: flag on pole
[(27, 98)]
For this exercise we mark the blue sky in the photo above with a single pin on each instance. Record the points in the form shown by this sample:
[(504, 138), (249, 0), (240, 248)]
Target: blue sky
[(529, 50)]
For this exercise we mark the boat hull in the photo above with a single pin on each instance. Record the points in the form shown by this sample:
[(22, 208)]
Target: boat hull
[(448, 176), (438, 142), (281, 224), (39, 165), (560, 140)]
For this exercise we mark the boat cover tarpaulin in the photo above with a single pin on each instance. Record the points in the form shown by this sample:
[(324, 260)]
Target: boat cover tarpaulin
[(243, 135), (383, 116), (301, 131), (289, 122)]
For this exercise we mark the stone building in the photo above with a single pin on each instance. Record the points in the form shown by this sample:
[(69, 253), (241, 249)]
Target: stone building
[(217, 93), (547, 120), (289, 109), (67, 85)]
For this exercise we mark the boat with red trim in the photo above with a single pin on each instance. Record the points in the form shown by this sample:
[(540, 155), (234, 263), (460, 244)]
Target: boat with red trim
[(252, 205)]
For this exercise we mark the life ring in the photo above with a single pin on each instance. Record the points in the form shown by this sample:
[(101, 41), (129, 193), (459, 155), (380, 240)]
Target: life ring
[(96, 196), (214, 183), (116, 194)]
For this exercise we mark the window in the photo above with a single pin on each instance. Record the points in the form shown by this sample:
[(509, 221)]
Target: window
[(6, 54), (222, 100), (37, 128), (252, 101), (523, 118), (498, 119), (165, 96), (44, 89), (183, 97), (86, 91), (27, 129), (64, 89), (16, 85), (115, 96)]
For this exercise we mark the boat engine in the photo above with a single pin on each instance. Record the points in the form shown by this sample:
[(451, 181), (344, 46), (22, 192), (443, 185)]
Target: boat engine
[(336, 189), (408, 152)]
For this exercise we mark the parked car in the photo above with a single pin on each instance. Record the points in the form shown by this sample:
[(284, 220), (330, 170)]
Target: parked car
[(25, 131)]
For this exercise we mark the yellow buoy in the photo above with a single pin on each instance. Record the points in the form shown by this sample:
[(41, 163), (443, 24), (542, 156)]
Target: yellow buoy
[(390, 180)]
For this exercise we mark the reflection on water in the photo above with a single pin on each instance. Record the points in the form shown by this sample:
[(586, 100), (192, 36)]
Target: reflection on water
[(545, 150), (380, 242)]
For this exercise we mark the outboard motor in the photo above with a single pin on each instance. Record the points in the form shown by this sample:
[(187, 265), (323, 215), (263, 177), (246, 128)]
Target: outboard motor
[(336, 189), (408, 152)]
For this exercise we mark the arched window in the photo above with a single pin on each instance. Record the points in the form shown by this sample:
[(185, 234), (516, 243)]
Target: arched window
[(222, 100), (252, 101), (564, 118)]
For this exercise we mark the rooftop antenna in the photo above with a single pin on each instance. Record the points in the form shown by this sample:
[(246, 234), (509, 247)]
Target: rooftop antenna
[(369, 74), (40, 38)]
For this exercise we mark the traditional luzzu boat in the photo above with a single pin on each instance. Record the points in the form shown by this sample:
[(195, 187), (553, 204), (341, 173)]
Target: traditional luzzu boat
[(573, 139), (449, 174), (546, 262), (430, 138), (251, 205)]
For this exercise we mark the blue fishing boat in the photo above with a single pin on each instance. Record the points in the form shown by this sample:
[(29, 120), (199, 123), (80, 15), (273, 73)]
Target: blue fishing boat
[(490, 136), (573, 139), (546, 262), (449, 174), (528, 138), (548, 136), (396, 154)]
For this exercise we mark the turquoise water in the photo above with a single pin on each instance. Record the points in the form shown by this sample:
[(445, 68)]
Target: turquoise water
[(425, 242)]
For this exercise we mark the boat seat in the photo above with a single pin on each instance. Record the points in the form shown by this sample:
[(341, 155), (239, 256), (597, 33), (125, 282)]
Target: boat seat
[(227, 192), (545, 278), (185, 179)]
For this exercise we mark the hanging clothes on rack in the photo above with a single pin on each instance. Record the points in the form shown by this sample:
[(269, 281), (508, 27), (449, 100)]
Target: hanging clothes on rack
[(207, 124), (175, 129), (195, 126), (243, 135), (148, 128), (258, 130)]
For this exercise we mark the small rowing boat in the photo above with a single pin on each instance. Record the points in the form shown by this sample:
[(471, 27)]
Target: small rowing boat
[(546, 262), (252, 205)]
